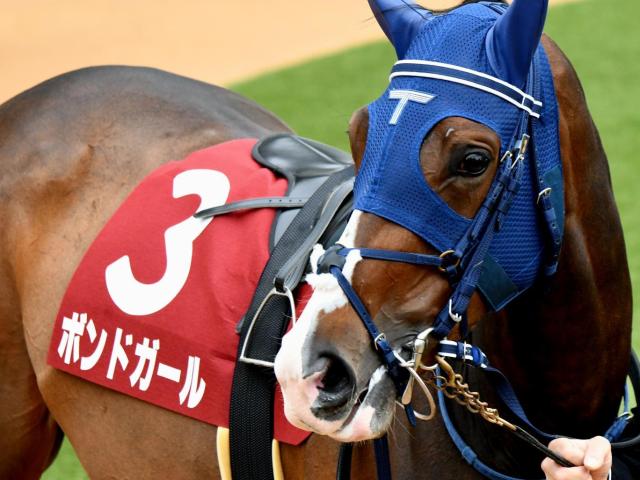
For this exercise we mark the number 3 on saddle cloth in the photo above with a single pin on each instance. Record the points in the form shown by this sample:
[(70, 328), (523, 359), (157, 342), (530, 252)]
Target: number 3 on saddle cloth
[(152, 309)]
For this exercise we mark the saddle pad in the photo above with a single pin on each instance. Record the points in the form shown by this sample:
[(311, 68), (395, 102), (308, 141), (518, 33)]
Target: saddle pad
[(151, 310)]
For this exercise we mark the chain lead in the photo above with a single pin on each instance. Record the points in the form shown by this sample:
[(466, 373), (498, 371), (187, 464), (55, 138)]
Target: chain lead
[(453, 386)]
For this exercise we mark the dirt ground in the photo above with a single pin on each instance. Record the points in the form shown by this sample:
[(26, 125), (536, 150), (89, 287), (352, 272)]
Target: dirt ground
[(218, 41)]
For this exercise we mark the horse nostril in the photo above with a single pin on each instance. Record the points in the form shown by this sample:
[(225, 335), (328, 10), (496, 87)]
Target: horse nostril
[(336, 389), (337, 377)]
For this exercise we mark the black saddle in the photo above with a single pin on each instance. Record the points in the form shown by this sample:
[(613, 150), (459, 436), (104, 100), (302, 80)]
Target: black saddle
[(305, 163)]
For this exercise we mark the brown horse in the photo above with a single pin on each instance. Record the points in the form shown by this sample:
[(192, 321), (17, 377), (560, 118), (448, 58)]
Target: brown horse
[(72, 148), (564, 343)]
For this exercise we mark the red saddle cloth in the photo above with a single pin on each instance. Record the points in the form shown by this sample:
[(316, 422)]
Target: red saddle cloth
[(151, 310)]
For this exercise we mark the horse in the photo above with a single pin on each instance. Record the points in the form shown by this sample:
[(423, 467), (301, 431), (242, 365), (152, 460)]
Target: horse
[(563, 340), (74, 146)]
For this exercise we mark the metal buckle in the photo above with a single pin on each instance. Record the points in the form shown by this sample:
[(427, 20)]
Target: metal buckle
[(444, 255), (515, 160), (419, 346), (456, 317), (380, 336), (521, 148), (627, 415), (506, 156), (522, 145), (274, 292), (543, 193)]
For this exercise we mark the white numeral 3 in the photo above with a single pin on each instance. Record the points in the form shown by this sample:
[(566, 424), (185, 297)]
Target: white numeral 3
[(137, 298)]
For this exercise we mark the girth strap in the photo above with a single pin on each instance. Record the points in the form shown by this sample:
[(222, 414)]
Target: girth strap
[(344, 462), (252, 393)]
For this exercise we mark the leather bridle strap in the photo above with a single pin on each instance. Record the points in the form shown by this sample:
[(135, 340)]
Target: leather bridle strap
[(344, 462), (634, 376), (253, 203), (381, 450), (398, 374), (333, 260)]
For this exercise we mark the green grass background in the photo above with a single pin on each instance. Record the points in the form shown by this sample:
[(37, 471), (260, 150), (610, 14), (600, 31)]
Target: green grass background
[(601, 39)]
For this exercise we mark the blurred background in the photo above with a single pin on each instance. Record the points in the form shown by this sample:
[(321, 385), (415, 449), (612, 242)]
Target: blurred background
[(313, 65), (212, 40), (216, 41)]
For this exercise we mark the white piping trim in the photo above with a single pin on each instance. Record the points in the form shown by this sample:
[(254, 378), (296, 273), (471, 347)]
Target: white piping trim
[(468, 84), (466, 357), (468, 70), (453, 355)]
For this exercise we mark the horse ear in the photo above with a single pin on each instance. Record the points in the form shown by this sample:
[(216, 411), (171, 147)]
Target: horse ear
[(400, 20), (513, 40)]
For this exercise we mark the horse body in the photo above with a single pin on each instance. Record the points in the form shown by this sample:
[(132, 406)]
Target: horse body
[(71, 150)]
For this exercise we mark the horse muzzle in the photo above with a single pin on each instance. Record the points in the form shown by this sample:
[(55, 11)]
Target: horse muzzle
[(322, 393)]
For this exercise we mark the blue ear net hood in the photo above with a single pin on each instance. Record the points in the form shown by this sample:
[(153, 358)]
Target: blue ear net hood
[(482, 62)]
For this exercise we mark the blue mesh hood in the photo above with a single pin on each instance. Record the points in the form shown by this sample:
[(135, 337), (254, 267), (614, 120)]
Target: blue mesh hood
[(390, 182)]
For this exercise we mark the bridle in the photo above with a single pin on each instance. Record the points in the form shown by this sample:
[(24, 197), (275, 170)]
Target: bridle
[(405, 373), (461, 265)]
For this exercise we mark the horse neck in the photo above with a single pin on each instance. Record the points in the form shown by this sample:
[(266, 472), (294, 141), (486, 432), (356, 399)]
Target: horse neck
[(565, 344)]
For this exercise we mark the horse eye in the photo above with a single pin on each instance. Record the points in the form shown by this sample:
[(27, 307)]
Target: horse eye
[(473, 164)]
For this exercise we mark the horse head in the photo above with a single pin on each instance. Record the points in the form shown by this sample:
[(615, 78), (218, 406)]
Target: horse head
[(431, 154)]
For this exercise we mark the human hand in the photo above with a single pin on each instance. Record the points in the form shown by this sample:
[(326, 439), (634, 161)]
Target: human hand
[(593, 458)]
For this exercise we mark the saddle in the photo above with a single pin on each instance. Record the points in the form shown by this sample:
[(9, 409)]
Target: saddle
[(315, 209), (306, 164)]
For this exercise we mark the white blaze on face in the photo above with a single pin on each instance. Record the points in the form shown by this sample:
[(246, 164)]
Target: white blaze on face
[(300, 393)]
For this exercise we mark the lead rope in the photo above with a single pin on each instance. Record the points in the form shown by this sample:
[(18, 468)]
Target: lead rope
[(452, 385)]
